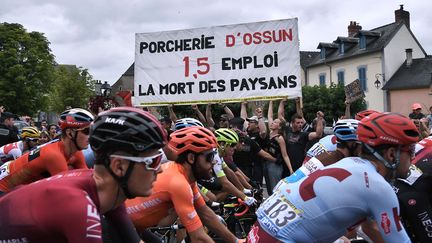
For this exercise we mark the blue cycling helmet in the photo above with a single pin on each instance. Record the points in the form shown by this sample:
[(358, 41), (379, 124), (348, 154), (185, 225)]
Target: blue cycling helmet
[(346, 130), (187, 122)]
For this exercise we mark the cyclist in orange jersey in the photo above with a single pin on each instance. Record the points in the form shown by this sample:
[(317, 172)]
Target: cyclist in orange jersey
[(52, 158)]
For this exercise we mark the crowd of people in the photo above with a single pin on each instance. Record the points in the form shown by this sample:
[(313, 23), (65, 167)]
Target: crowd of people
[(117, 173)]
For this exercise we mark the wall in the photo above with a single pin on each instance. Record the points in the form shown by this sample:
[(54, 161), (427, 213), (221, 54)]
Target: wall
[(372, 62), (401, 100)]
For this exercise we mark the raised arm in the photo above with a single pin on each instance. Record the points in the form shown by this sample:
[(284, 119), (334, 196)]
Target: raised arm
[(270, 113), (198, 113), (347, 109), (261, 123), (227, 111), (172, 115), (209, 118), (281, 109), (319, 126)]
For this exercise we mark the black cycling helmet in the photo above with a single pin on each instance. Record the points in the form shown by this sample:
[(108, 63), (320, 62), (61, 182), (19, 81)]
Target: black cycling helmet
[(75, 118), (126, 128)]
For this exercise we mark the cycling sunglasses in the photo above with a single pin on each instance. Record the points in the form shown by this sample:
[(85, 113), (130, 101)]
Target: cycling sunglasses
[(209, 157), (232, 145), (85, 131), (33, 139), (152, 163)]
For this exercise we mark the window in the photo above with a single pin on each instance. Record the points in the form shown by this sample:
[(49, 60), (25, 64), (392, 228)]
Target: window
[(362, 42), (322, 53), (341, 48), (341, 77), (362, 77), (322, 79)]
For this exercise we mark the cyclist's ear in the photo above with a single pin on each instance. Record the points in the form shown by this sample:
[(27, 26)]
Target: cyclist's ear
[(190, 158)]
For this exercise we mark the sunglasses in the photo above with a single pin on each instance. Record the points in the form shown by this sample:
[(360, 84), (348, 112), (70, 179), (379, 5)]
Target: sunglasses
[(33, 139), (209, 157), (232, 145), (152, 163), (85, 131)]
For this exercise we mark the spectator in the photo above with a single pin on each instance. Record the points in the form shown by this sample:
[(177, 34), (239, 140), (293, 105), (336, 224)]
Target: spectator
[(44, 125), (8, 132), (166, 123), (429, 117), (52, 131), (296, 139), (44, 138), (257, 131), (416, 113), (224, 118)]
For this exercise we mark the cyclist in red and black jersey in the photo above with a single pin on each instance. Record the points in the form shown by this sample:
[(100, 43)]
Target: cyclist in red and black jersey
[(68, 206)]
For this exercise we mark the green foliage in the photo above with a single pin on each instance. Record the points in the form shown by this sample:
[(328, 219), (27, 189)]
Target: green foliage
[(72, 87), (330, 100), (26, 69)]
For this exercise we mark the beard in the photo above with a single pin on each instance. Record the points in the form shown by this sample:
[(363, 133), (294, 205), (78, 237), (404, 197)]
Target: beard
[(200, 173)]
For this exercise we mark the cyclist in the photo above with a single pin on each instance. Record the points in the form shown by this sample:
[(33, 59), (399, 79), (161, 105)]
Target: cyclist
[(321, 206), (52, 158), (415, 194), (176, 188), (30, 138), (127, 142), (227, 141)]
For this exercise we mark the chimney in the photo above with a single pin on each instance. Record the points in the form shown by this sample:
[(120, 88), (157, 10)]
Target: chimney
[(402, 16), (353, 28), (408, 57)]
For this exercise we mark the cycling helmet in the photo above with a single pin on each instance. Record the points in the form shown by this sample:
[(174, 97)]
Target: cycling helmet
[(30, 132), (387, 128), (126, 128), (362, 114), (345, 130), (75, 118), (195, 139), (187, 122), (226, 135)]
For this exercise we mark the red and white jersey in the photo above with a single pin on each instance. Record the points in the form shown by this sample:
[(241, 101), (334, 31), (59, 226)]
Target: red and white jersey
[(11, 151)]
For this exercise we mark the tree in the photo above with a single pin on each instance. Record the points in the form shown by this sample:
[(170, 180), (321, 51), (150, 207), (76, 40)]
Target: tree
[(26, 68), (72, 87)]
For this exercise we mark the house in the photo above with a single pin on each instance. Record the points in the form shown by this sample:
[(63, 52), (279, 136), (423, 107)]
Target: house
[(375, 57)]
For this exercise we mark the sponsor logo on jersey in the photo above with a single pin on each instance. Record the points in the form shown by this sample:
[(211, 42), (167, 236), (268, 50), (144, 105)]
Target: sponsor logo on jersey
[(412, 202), (426, 222), (114, 121), (93, 225), (253, 235), (385, 223), (16, 240), (34, 154), (366, 179), (192, 214)]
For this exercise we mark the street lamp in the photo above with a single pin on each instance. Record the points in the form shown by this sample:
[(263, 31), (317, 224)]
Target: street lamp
[(105, 89), (377, 83)]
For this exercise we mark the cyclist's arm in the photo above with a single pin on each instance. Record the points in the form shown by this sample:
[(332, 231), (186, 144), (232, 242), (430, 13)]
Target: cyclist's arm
[(80, 162), (385, 210), (214, 224), (233, 178), (123, 224), (227, 186)]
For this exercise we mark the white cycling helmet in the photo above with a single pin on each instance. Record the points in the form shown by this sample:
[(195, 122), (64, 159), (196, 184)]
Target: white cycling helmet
[(187, 122), (346, 129)]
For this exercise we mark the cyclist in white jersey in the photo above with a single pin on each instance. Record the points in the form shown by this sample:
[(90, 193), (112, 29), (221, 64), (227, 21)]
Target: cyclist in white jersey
[(30, 137), (323, 205)]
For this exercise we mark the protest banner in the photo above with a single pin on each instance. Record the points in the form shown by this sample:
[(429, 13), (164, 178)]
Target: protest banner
[(353, 91), (231, 63)]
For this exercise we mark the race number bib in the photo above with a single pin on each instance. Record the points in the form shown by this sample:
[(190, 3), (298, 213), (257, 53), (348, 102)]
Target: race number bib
[(4, 170), (278, 211)]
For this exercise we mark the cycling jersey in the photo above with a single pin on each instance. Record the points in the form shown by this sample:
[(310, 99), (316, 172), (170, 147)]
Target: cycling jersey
[(39, 163), (415, 196), (323, 205), (62, 208), (172, 189), (11, 151), (325, 144)]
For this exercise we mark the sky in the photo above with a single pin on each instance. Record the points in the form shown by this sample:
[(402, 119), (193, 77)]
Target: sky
[(99, 35)]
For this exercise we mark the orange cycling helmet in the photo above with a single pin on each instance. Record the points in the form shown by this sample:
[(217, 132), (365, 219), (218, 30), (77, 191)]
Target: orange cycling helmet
[(362, 114), (387, 128), (195, 139)]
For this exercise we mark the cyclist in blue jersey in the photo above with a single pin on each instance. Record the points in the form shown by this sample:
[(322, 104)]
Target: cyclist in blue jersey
[(322, 206)]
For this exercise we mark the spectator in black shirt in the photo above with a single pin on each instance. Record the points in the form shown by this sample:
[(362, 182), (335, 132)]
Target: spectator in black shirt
[(8, 132), (416, 113)]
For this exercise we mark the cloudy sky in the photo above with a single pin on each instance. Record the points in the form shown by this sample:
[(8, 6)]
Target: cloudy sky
[(99, 34)]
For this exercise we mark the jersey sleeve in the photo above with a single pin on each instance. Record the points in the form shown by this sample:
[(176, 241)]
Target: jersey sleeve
[(182, 197), (79, 161), (385, 210)]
